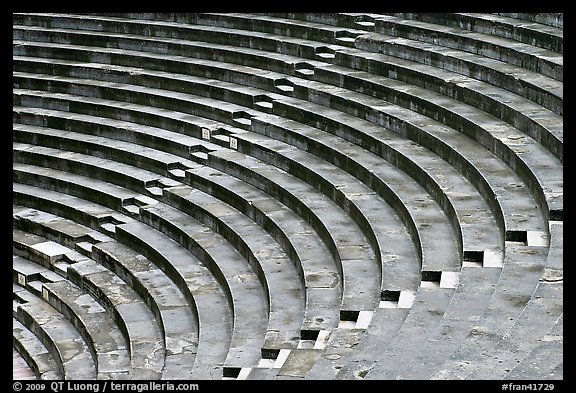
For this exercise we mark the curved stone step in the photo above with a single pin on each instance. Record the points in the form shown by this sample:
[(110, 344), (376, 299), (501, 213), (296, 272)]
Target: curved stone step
[(545, 361), (320, 270), (189, 280), (504, 185), (69, 348), (536, 34), (249, 295), (34, 352)]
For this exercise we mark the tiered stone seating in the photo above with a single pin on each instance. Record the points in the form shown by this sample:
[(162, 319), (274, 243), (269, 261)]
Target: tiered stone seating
[(34, 352), (289, 196), (57, 333)]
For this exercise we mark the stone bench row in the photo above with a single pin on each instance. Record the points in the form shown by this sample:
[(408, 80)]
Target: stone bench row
[(535, 34), (524, 55), (238, 294), (131, 314), (302, 61), (33, 351), (64, 342), (167, 303), (513, 189), (506, 140), (104, 338)]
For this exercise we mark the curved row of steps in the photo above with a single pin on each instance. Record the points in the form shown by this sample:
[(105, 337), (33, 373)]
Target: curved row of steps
[(288, 196)]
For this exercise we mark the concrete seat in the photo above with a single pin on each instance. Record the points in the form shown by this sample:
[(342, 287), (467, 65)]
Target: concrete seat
[(277, 273), (352, 248), (95, 324), (35, 353), (128, 176), (199, 285), (245, 287), (537, 34), (60, 336), (298, 238), (554, 19)]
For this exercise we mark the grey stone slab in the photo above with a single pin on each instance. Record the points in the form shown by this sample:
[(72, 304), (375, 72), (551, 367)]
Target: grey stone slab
[(351, 243), (519, 279), (299, 362), (56, 331), (35, 352), (199, 284), (430, 305), (546, 360)]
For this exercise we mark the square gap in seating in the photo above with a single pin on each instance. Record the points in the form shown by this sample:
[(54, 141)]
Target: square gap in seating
[(242, 118), (304, 69), (264, 103), (396, 299), (346, 36), (365, 21), (556, 215), (431, 279), (231, 372), (516, 236), (325, 52), (284, 86), (472, 258)]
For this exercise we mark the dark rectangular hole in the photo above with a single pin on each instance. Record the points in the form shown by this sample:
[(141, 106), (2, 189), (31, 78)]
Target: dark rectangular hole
[(231, 372), (112, 220), (346, 315), (393, 296), (431, 276), (306, 334), (270, 353), (473, 256), (177, 165), (241, 115), (516, 236), (556, 215), (200, 149)]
